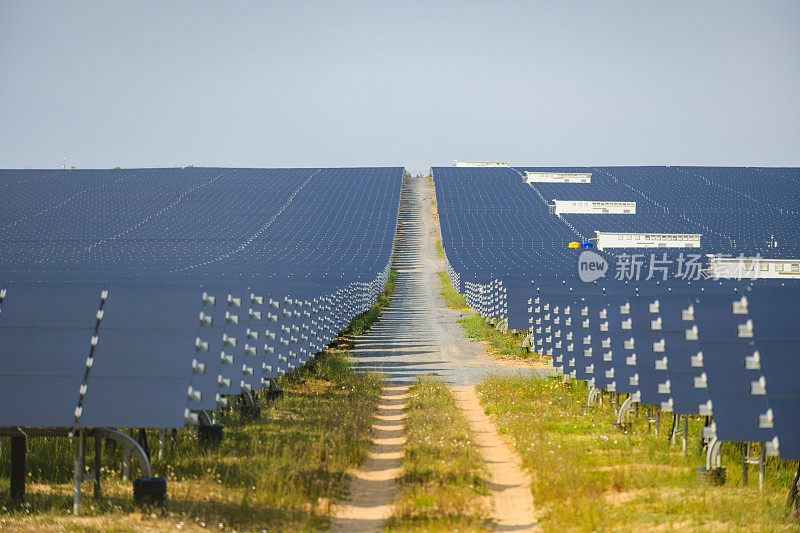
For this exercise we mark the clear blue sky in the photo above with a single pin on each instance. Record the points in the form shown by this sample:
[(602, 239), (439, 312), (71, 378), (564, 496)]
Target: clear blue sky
[(398, 83)]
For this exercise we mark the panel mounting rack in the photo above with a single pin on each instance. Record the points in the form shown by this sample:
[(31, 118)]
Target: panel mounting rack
[(593, 207), (647, 240), (480, 164), (558, 177)]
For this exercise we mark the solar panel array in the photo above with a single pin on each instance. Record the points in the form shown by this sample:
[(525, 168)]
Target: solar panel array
[(725, 348), (135, 298)]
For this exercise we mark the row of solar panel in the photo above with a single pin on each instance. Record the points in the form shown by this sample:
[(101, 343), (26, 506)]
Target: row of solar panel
[(731, 352), (499, 224), (133, 355), (196, 224), (145, 346)]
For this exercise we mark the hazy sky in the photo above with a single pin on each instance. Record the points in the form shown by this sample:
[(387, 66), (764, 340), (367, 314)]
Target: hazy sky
[(398, 83)]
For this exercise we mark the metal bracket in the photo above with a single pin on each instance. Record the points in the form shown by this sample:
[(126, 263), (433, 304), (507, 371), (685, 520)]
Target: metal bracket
[(131, 447), (204, 419), (595, 397), (129, 442), (247, 398), (713, 454), (625, 409), (526, 342)]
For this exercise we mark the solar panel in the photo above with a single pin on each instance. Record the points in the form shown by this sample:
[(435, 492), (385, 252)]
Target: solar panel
[(139, 402), (46, 333), (149, 306)]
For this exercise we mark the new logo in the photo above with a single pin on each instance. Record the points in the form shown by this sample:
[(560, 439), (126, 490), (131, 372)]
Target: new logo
[(591, 266)]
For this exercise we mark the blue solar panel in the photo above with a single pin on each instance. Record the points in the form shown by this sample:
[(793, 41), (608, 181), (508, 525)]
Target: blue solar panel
[(46, 332), (188, 259), (786, 428), (149, 306), (145, 402)]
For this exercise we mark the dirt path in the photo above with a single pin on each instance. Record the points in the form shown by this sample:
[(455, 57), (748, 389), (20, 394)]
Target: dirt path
[(512, 503), (373, 488), (418, 335)]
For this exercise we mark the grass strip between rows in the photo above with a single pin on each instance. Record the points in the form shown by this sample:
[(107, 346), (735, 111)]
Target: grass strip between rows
[(443, 487), (452, 299)]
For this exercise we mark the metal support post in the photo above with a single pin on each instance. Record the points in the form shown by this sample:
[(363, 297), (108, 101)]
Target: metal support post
[(749, 459), (79, 466), (685, 437), (17, 486), (142, 440), (162, 437), (98, 455), (126, 462), (745, 455), (678, 428)]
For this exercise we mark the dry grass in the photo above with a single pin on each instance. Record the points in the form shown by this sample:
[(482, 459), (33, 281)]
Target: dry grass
[(590, 477), (443, 487)]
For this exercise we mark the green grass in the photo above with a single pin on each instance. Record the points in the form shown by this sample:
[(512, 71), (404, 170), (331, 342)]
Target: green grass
[(365, 320), (277, 473), (443, 487), (453, 299), (590, 477), (476, 327), (439, 248)]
